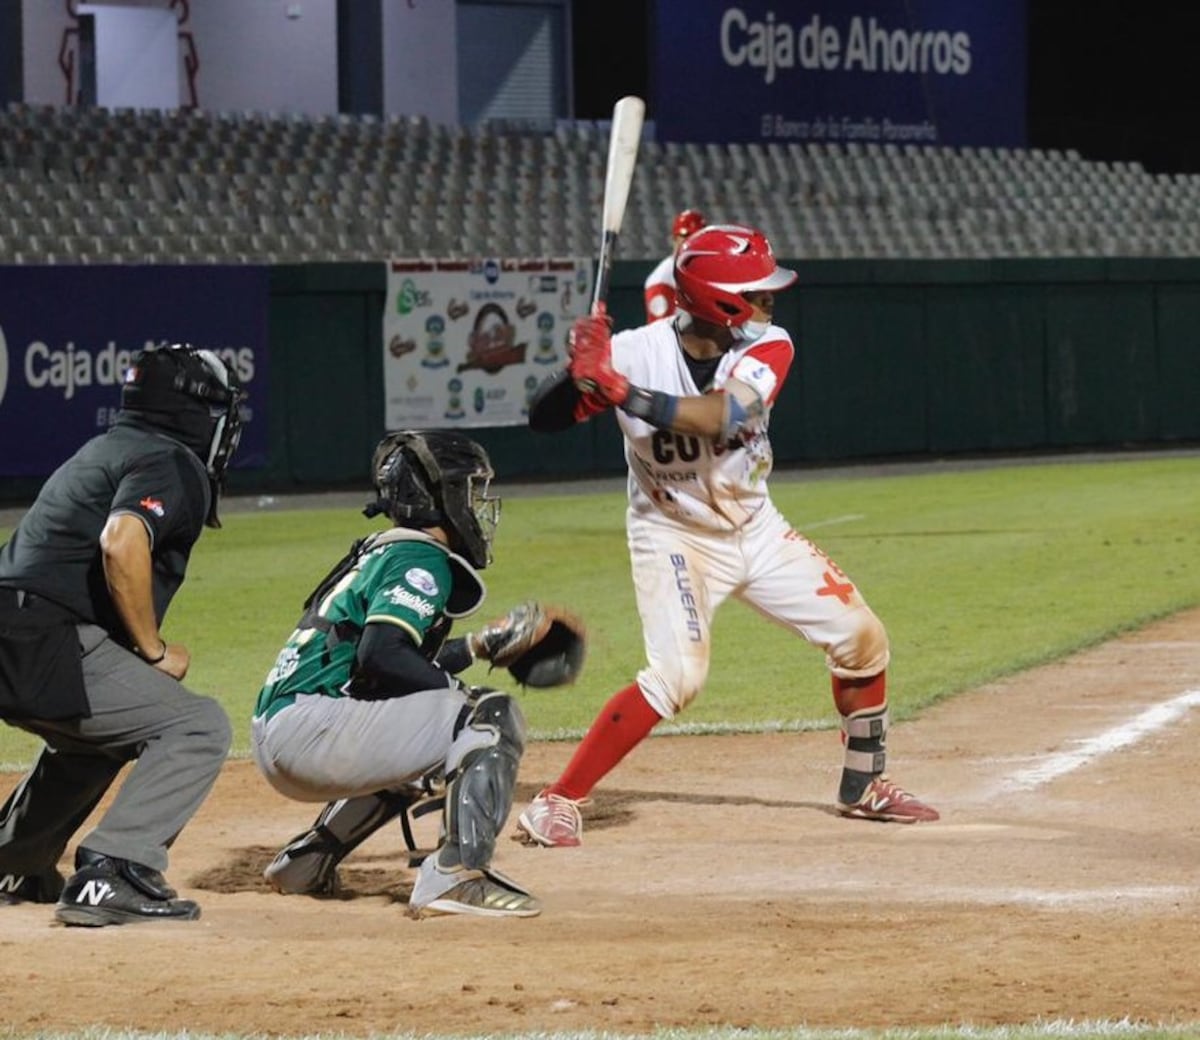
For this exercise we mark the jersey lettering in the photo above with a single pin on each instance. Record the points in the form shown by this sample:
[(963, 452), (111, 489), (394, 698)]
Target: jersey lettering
[(285, 664), (672, 447), (707, 483)]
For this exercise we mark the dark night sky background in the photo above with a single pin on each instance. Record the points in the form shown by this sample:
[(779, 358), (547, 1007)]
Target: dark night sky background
[(1114, 80)]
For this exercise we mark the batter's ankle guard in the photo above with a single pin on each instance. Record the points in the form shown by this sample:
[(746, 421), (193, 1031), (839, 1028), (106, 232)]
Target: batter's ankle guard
[(865, 736)]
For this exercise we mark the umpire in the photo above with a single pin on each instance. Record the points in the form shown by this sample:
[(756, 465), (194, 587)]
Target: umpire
[(85, 581)]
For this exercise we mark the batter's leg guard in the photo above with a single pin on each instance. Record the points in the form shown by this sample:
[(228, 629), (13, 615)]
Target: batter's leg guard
[(481, 773), (308, 863), (866, 792), (865, 736)]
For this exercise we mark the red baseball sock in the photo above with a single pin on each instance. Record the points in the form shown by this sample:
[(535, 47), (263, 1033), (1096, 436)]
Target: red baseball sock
[(851, 695), (623, 723)]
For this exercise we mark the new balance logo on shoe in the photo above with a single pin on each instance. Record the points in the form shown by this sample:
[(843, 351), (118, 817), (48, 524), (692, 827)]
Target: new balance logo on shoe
[(876, 803), (30, 888), (95, 892)]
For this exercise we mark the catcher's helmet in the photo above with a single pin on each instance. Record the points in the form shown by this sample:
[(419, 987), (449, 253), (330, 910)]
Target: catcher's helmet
[(719, 263), (195, 397), (687, 222), (429, 478)]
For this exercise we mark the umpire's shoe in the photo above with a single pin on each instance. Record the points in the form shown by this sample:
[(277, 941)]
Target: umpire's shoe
[(106, 890), (44, 887)]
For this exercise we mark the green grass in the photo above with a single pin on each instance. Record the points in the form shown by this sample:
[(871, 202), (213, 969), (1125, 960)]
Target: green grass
[(976, 573)]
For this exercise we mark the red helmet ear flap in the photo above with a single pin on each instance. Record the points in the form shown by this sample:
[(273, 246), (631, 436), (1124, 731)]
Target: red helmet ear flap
[(717, 264)]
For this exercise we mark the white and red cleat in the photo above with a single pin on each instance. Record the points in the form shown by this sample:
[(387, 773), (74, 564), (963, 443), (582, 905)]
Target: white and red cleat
[(887, 801), (552, 821)]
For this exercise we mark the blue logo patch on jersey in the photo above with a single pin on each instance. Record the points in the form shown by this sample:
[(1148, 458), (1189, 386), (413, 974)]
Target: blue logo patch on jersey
[(421, 580)]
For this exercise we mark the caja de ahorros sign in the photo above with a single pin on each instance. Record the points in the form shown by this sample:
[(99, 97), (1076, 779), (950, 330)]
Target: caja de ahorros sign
[(944, 72), (67, 335)]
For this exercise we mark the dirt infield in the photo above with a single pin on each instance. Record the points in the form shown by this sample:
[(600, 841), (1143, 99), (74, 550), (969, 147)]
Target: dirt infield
[(716, 887)]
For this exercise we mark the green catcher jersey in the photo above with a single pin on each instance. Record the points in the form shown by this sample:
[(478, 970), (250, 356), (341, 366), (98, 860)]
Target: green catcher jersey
[(397, 577)]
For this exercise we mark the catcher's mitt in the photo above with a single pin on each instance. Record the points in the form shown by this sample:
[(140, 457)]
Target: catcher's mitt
[(539, 645)]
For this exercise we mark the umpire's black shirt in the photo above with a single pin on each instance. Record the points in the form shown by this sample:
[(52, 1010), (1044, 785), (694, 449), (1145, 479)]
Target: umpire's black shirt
[(55, 549)]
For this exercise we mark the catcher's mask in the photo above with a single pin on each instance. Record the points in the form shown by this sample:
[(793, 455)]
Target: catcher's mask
[(193, 396), (430, 478)]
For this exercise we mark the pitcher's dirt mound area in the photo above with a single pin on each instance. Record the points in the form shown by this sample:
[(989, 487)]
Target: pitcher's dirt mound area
[(716, 886)]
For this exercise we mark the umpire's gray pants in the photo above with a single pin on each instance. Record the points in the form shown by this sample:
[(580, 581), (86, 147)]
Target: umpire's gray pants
[(177, 740)]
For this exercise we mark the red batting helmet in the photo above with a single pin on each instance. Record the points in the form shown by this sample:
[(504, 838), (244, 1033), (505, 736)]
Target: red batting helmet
[(719, 263), (687, 222)]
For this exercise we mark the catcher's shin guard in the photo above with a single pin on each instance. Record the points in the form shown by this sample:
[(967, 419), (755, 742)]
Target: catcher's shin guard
[(865, 736), (481, 773), (308, 863)]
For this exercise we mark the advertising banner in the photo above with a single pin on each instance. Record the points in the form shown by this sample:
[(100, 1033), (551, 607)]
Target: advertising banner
[(934, 72), (467, 342), (68, 333)]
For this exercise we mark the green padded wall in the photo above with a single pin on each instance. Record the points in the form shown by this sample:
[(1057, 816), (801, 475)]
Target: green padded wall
[(860, 369), (893, 359), (1178, 389), (1100, 365), (985, 367)]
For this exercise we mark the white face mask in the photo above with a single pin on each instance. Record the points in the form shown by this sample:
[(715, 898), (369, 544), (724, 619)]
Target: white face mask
[(749, 331)]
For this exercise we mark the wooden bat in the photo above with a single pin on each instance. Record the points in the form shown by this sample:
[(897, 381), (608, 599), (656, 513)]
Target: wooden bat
[(628, 115)]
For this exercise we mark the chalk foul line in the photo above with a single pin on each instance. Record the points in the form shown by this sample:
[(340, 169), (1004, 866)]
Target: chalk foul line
[(1130, 732)]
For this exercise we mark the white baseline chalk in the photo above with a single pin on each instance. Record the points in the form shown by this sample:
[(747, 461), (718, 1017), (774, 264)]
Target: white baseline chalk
[(1154, 718)]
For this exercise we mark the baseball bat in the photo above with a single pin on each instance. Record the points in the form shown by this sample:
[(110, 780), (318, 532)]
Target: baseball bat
[(628, 115)]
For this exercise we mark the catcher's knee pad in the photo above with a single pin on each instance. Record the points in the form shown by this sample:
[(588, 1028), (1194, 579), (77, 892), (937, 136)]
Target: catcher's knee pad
[(481, 773), (308, 863)]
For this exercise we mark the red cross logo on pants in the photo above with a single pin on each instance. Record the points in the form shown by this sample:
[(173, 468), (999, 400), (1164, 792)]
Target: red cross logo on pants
[(833, 587)]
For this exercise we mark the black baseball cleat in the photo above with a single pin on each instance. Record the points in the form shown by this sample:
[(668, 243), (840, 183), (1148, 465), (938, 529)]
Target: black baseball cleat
[(43, 887), (107, 890)]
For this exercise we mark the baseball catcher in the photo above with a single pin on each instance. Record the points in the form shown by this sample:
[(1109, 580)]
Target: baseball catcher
[(364, 711)]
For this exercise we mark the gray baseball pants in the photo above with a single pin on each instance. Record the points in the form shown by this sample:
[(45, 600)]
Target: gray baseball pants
[(177, 741), (321, 749)]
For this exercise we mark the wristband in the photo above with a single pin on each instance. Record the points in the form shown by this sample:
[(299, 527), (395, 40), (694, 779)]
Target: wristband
[(652, 406), (154, 660)]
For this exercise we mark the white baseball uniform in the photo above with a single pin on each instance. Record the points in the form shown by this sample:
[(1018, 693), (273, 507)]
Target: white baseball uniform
[(702, 527)]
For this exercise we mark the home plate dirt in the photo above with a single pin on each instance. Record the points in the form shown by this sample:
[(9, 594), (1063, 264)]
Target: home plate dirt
[(716, 886)]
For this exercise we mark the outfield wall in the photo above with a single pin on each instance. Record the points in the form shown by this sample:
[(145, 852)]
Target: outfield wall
[(894, 358)]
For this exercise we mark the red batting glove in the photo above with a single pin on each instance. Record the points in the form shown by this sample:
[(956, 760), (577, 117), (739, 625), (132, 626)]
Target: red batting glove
[(591, 368)]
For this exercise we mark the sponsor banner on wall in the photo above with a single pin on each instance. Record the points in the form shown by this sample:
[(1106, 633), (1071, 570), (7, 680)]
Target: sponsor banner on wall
[(67, 335), (939, 72), (465, 343)]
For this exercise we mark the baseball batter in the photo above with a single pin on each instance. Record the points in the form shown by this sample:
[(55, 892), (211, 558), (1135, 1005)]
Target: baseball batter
[(693, 399), (659, 290)]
